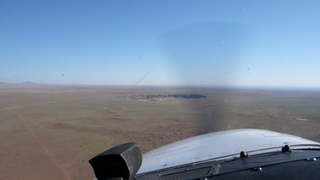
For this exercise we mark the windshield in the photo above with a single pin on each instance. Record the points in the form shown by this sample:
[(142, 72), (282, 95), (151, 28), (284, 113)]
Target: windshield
[(79, 77)]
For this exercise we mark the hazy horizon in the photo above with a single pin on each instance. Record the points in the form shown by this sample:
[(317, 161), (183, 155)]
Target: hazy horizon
[(236, 87)]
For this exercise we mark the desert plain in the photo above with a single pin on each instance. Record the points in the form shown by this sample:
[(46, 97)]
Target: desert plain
[(51, 131)]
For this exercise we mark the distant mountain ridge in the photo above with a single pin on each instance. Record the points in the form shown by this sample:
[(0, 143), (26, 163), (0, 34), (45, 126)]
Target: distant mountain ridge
[(26, 82)]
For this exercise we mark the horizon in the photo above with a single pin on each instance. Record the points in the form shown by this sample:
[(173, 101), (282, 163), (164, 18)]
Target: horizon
[(226, 87)]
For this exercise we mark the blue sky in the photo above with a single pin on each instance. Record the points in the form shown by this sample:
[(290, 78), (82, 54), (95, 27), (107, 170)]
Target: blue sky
[(252, 43)]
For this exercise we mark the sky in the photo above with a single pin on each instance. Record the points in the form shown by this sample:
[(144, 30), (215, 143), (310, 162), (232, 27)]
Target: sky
[(240, 42)]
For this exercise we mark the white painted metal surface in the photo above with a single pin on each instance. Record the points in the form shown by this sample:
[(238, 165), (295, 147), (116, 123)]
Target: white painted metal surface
[(214, 145)]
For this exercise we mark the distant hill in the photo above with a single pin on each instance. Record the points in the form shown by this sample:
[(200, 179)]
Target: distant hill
[(26, 82)]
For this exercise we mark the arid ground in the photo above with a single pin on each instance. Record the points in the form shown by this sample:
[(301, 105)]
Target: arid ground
[(50, 132)]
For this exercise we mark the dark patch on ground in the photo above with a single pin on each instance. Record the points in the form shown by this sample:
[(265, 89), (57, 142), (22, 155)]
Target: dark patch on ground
[(150, 96), (117, 119)]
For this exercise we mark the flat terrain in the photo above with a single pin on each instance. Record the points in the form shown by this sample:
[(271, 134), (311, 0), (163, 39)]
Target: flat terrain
[(50, 132)]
